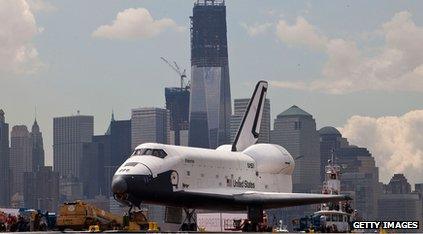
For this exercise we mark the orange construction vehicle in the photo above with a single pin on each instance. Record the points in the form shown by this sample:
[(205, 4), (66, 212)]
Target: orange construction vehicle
[(80, 216)]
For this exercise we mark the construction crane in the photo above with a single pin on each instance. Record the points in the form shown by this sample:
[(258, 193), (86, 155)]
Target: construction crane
[(177, 69)]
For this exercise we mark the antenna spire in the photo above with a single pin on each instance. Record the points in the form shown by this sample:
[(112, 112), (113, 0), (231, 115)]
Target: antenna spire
[(35, 113)]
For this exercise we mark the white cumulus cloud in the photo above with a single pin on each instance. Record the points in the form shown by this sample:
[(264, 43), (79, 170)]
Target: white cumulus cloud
[(17, 29), (257, 29), (135, 23), (397, 65), (301, 33), (41, 5), (396, 142)]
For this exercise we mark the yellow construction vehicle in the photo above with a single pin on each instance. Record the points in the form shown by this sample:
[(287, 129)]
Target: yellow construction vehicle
[(79, 216)]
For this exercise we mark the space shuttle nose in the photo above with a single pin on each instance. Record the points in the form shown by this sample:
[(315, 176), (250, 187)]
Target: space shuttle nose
[(119, 185)]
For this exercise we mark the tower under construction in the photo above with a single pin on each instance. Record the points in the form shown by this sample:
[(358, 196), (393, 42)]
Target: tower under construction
[(210, 101)]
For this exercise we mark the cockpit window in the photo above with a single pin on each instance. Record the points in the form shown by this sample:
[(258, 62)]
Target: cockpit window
[(153, 152), (138, 152)]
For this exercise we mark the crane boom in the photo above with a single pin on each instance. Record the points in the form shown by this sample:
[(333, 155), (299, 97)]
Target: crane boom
[(177, 69)]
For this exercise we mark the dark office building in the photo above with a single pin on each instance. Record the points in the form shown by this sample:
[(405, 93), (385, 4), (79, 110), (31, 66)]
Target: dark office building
[(360, 177), (37, 147), (41, 190), (120, 140), (177, 102), (210, 101), (398, 185), (92, 169), (113, 149), (330, 141), (397, 202), (4, 162)]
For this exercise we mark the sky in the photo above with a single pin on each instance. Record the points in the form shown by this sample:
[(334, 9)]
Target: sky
[(356, 65)]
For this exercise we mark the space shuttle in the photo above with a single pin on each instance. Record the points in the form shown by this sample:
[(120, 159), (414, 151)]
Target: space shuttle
[(244, 176)]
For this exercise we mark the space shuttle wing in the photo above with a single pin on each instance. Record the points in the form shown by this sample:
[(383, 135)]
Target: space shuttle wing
[(267, 199), (278, 200)]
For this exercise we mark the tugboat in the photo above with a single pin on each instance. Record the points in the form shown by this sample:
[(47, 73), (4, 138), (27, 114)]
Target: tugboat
[(332, 217)]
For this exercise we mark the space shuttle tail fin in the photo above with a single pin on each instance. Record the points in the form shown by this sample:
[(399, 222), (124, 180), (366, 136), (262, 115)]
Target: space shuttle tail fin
[(249, 128)]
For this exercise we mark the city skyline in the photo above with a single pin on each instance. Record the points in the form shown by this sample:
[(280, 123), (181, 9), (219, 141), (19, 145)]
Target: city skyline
[(69, 85)]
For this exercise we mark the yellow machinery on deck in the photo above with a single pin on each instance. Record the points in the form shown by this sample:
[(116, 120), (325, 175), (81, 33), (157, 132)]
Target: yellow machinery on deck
[(80, 216)]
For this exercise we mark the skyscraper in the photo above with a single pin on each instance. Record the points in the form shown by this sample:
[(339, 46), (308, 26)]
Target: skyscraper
[(41, 190), (295, 130), (69, 135), (114, 149), (210, 101), (92, 169), (240, 105), (330, 142), (360, 177), (149, 125), (37, 147), (399, 203), (4, 162), (20, 156), (120, 134), (177, 102)]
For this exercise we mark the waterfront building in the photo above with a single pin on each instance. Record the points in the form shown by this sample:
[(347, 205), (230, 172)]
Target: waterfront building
[(41, 190), (69, 135), (240, 105), (20, 157), (295, 130), (360, 176), (177, 102), (150, 125), (398, 203), (210, 101), (330, 141), (4, 161)]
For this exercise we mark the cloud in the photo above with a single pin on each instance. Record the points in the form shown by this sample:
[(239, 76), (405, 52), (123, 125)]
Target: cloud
[(17, 30), (394, 141), (300, 33), (396, 66), (135, 23), (41, 5), (257, 29)]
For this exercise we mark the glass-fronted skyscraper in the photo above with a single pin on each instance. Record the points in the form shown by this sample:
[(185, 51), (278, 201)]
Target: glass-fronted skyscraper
[(210, 102)]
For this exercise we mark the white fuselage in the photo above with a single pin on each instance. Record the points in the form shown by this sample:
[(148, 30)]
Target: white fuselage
[(260, 167)]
